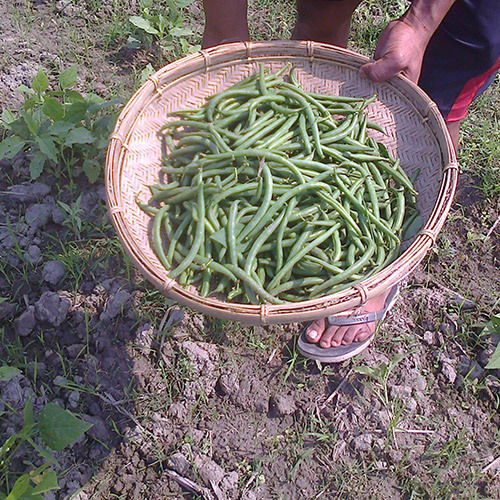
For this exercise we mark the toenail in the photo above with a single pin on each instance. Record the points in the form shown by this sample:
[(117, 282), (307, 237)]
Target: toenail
[(312, 334)]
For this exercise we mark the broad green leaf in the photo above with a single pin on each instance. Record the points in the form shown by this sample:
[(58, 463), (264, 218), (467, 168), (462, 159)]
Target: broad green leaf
[(68, 78), (30, 122), (73, 96), (46, 482), (36, 165), (79, 135), (495, 321), (146, 73), (28, 414), (53, 108), (183, 3), (60, 130), (414, 227), (20, 487), (20, 128), (7, 117), (24, 89), (47, 147), (364, 370), (10, 146), (40, 82), (494, 362), (58, 427), (143, 24), (8, 372), (493, 326), (76, 112), (181, 31), (92, 169)]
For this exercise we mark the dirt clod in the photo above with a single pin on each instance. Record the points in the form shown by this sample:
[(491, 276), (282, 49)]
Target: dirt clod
[(38, 215), (363, 442), (52, 308), (179, 463), (115, 305), (208, 470), (53, 271), (25, 323), (26, 193), (282, 405)]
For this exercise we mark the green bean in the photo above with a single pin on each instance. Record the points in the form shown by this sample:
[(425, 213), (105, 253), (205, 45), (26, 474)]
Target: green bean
[(344, 275), (266, 201), (294, 259), (200, 232), (263, 237), (248, 280), (231, 232)]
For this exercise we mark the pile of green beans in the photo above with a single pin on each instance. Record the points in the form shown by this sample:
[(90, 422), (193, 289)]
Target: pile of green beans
[(269, 193)]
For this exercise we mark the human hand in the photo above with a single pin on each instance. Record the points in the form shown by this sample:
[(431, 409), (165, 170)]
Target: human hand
[(400, 49)]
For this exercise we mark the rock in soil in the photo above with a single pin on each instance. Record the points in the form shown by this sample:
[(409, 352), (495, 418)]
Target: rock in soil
[(363, 442), (52, 272), (429, 337), (208, 470), (7, 310), (282, 405), (25, 323), (98, 430), (52, 308), (115, 305), (16, 392), (447, 369), (228, 384), (27, 193), (33, 255), (38, 215), (469, 369), (179, 464)]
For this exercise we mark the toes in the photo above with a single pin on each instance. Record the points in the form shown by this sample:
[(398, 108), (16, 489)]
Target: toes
[(351, 333), (339, 336), (363, 333), (326, 339), (315, 330)]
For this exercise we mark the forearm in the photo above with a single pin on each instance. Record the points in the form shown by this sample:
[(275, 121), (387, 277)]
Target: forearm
[(424, 16)]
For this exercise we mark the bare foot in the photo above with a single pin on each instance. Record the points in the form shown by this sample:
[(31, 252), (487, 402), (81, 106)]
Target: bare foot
[(333, 336)]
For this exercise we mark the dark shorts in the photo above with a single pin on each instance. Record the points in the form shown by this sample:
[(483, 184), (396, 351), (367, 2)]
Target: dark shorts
[(463, 56)]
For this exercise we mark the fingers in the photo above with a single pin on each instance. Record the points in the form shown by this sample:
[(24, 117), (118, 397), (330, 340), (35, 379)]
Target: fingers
[(383, 69)]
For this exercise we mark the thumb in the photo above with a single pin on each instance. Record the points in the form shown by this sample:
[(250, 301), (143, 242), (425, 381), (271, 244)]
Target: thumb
[(382, 69)]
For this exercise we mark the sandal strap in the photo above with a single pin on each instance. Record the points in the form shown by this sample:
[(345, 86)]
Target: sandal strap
[(359, 319)]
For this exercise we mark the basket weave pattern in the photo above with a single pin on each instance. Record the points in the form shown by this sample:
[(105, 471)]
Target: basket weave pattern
[(415, 133)]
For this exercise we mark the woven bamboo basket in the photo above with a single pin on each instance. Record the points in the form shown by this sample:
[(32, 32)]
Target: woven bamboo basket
[(416, 134)]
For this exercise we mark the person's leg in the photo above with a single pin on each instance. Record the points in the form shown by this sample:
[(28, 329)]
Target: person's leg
[(324, 20), (224, 21)]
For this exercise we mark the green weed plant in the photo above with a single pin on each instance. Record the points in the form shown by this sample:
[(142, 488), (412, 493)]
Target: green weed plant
[(55, 429), (60, 129), (162, 24)]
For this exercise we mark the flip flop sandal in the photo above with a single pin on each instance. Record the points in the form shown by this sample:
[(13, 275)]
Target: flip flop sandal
[(343, 352)]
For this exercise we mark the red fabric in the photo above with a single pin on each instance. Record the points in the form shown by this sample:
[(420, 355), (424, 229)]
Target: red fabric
[(459, 109)]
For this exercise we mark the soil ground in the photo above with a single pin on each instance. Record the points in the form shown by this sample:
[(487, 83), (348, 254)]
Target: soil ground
[(184, 406)]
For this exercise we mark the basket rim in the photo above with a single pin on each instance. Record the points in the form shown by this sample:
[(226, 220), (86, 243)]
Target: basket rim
[(349, 298)]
